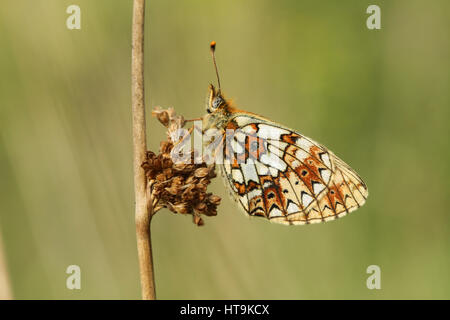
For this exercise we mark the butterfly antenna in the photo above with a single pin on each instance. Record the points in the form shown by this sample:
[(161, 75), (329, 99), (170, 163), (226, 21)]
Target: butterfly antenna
[(213, 49)]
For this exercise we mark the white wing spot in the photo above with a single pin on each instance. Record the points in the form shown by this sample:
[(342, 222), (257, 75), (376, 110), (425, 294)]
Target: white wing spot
[(326, 159), (301, 154), (254, 193), (273, 172), (275, 151), (326, 174), (262, 169), (249, 130), (275, 212), (243, 121), (292, 208), (237, 147), (240, 136), (237, 175), (295, 164), (270, 132), (304, 143), (227, 166), (271, 160), (278, 144), (318, 187), (267, 184), (306, 199), (244, 201), (249, 171)]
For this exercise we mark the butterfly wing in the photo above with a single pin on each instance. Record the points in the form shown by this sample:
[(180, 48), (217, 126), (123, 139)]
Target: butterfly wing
[(277, 173)]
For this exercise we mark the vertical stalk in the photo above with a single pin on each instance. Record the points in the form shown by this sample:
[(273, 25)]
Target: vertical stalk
[(5, 290), (143, 207)]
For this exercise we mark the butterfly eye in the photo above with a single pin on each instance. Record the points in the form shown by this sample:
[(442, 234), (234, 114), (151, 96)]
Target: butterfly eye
[(216, 102)]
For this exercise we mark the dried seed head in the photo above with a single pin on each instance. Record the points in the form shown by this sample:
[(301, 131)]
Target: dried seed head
[(165, 147), (214, 199), (179, 207), (201, 172), (161, 115), (180, 187), (198, 221)]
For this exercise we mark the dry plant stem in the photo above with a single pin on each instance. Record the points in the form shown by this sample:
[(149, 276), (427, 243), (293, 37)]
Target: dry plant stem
[(144, 208), (5, 290)]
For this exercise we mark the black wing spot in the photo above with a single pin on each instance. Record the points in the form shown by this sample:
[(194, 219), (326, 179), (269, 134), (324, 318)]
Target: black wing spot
[(274, 206), (321, 155), (320, 171), (314, 182), (257, 212)]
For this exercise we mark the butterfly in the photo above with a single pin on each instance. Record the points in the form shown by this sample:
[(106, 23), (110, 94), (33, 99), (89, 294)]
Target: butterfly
[(277, 173)]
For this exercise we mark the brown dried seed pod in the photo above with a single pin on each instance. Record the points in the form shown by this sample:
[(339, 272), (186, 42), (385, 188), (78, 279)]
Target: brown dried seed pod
[(165, 147), (156, 164), (150, 175), (168, 172), (189, 188), (157, 192), (188, 197), (179, 166), (201, 172), (198, 221), (161, 177), (214, 199), (211, 212), (189, 168), (178, 180), (191, 180), (166, 163), (179, 207), (162, 115), (200, 206), (150, 155), (200, 187), (173, 190), (201, 196)]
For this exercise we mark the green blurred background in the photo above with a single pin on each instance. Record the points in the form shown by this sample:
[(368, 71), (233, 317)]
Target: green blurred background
[(378, 98)]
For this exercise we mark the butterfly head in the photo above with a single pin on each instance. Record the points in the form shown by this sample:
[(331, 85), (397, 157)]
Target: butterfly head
[(215, 100)]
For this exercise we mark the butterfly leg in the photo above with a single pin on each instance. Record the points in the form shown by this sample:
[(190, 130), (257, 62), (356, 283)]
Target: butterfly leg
[(195, 119)]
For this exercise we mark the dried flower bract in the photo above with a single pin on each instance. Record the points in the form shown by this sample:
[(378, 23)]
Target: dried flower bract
[(179, 187)]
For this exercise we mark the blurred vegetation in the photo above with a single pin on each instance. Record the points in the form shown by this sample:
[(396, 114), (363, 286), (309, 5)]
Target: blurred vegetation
[(377, 98)]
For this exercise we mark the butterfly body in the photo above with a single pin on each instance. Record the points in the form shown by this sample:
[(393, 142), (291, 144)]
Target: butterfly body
[(277, 173)]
